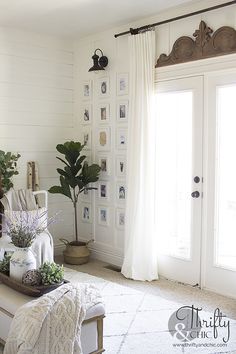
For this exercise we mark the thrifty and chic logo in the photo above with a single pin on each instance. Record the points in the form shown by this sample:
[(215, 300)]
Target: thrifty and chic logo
[(185, 324)]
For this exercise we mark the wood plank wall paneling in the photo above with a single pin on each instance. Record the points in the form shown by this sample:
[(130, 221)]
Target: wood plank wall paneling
[(36, 109)]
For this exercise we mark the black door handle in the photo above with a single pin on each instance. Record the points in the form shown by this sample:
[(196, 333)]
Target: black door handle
[(195, 194), (196, 179)]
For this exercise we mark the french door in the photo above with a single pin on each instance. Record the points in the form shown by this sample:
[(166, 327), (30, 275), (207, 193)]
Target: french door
[(179, 106), (196, 181), (220, 188)]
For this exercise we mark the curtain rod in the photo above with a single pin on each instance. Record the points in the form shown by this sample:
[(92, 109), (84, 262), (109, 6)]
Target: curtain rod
[(136, 30)]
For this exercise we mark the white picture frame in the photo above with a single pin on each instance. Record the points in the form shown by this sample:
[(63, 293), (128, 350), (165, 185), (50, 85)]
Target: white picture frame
[(104, 139), (120, 219), (86, 116), (122, 84), (103, 191), (120, 192), (121, 139), (121, 166), (122, 111), (104, 113), (86, 213), (103, 87), (103, 215), (87, 90), (104, 161), (87, 138)]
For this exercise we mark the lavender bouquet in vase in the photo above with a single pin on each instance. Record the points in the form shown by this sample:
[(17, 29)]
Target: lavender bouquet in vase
[(23, 227)]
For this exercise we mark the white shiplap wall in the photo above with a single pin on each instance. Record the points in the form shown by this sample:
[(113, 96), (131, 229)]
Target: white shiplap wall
[(36, 108)]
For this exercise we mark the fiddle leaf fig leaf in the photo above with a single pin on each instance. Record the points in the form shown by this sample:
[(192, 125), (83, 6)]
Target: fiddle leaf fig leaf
[(65, 187)]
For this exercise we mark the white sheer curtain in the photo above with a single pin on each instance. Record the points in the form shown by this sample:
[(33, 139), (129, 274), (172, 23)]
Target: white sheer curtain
[(140, 260)]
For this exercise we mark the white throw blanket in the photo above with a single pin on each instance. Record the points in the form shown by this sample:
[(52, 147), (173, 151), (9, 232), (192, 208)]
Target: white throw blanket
[(52, 323), (19, 200)]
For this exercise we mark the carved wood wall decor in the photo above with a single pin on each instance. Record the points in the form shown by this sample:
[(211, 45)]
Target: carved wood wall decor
[(206, 45)]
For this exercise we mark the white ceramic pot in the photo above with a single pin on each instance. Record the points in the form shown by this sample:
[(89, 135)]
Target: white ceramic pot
[(21, 261)]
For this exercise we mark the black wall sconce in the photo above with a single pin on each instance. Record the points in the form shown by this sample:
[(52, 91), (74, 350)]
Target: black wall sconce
[(98, 63)]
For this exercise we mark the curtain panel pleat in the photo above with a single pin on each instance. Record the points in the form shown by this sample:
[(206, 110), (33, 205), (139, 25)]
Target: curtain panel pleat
[(140, 261)]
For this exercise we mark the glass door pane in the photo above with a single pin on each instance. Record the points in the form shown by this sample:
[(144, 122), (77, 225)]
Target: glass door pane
[(174, 172), (225, 209), (179, 109)]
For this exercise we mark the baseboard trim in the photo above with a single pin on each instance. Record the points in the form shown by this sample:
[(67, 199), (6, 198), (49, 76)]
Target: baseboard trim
[(58, 249), (107, 257)]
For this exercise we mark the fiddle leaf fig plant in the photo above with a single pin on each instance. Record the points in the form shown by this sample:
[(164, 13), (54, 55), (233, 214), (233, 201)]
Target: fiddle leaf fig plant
[(8, 168), (76, 176)]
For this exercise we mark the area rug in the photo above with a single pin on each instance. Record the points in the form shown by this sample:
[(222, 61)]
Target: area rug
[(140, 323)]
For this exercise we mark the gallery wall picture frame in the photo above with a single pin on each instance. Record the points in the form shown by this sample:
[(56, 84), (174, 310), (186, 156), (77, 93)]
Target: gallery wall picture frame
[(104, 161), (103, 215), (120, 192), (87, 114), (122, 111), (104, 139), (87, 138), (104, 87), (122, 84), (104, 113), (86, 213), (87, 90), (120, 166), (120, 219), (121, 139), (103, 191)]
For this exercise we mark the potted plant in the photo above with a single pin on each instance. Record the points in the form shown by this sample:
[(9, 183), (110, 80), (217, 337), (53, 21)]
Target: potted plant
[(75, 178), (8, 168)]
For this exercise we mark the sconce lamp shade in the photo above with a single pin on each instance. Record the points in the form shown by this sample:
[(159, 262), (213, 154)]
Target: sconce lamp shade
[(99, 63)]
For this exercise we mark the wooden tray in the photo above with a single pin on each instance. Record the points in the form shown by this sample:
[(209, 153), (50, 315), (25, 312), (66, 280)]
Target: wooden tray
[(34, 291)]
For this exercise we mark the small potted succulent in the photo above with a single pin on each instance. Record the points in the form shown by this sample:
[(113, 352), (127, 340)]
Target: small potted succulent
[(51, 273)]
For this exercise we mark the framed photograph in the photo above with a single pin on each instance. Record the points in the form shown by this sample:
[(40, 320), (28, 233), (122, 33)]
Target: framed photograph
[(104, 139), (104, 112), (120, 219), (121, 191), (121, 138), (122, 84), (122, 111), (87, 90), (103, 216), (87, 139), (104, 87), (120, 166), (86, 213), (87, 114), (104, 162), (103, 190)]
